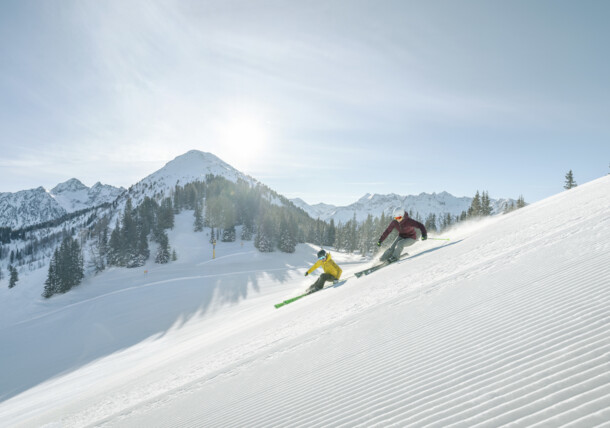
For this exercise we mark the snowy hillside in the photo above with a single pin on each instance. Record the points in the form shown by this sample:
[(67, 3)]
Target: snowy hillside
[(29, 207), (423, 205), (505, 325)]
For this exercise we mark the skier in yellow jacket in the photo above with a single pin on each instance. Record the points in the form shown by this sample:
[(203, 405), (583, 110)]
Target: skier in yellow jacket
[(332, 272)]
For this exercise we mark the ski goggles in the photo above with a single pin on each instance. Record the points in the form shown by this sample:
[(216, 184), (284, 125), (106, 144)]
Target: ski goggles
[(322, 258), (398, 218)]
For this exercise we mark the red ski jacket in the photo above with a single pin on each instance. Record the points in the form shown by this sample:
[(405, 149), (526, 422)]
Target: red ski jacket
[(406, 228)]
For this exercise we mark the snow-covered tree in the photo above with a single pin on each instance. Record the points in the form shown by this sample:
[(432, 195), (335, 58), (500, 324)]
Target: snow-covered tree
[(66, 268), (228, 234), (163, 254), (430, 222), (287, 236), (13, 276), (247, 231), (198, 224)]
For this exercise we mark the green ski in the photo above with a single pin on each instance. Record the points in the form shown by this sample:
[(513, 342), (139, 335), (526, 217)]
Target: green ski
[(285, 302)]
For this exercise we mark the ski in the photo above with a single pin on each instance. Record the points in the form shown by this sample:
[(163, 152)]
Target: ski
[(379, 266), (294, 299), (371, 269)]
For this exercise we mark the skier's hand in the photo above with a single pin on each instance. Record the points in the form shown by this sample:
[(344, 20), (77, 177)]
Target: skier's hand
[(306, 273), (424, 237), (379, 243)]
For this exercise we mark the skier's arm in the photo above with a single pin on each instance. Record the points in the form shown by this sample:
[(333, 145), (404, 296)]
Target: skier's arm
[(314, 267), (420, 226), (388, 230)]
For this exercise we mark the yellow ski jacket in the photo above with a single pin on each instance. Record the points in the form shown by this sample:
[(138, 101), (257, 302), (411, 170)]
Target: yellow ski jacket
[(328, 265)]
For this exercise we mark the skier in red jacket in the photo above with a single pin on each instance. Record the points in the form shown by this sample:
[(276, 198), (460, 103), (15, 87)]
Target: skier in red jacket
[(409, 231)]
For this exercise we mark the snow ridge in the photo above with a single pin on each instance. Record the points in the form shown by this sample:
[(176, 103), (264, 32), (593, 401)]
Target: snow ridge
[(29, 207), (421, 205)]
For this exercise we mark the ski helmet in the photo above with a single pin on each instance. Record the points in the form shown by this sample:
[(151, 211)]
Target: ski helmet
[(398, 212), (321, 254)]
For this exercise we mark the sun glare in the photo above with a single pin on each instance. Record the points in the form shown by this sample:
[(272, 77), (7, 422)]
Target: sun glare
[(245, 137)]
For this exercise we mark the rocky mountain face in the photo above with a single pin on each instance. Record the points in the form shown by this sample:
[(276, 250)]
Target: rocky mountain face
[(34, 206)]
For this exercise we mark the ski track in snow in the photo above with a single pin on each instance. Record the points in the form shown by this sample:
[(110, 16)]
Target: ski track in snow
[(508, 325)]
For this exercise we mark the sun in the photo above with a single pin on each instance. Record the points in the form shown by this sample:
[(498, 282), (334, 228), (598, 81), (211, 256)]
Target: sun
[(245, 137)]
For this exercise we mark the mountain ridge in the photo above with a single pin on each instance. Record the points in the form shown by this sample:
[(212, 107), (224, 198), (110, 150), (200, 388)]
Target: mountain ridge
[(419, 206), (34, 206)]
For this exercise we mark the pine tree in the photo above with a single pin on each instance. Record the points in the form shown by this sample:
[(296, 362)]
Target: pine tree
[(509, 207), (66, 269), (569, 183), (1, 273), (330, 235), (287, 239), (52, 282), (247, 231), (446, 221), (521, 202), (264, 234), (166, 214), (96, 259), (430, 223), (198, 225), (115, 253), (142, 252), (475, 206), (485, 204), (163, 255), (228, 234), (14, 276)]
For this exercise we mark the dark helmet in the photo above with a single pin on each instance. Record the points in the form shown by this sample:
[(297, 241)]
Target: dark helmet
[(321, 254)]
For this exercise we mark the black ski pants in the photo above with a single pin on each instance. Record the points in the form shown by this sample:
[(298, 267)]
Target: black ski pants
[(319, 284)]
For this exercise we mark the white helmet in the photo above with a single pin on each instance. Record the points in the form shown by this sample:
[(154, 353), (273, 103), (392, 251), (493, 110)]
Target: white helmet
[(398, 212)]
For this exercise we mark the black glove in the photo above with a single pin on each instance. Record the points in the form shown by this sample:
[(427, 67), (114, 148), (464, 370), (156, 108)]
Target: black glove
[(424, 237), (379, 243), (306, 273)]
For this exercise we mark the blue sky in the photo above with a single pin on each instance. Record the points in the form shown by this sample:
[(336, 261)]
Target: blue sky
[(323, 100)]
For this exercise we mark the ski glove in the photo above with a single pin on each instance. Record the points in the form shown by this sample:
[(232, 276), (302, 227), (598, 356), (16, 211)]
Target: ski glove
[(379, 243), (306, 273), (424, 237)]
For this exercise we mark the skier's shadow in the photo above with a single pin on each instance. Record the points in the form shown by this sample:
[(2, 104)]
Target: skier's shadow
[(431, 250)]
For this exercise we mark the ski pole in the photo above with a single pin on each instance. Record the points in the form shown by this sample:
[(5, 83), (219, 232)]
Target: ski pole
[(441, 239)]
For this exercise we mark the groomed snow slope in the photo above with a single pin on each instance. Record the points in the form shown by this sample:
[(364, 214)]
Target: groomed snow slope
[(508, 325)]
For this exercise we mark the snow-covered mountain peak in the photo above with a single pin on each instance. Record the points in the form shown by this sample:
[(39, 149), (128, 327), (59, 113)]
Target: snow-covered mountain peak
[(192, 166), (72, 185), (34, 206), (195, 164)]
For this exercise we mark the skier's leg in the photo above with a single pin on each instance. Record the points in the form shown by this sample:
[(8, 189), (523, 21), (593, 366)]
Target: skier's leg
[(323, 278), (319, 284), (400, 245), (388, 253)]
